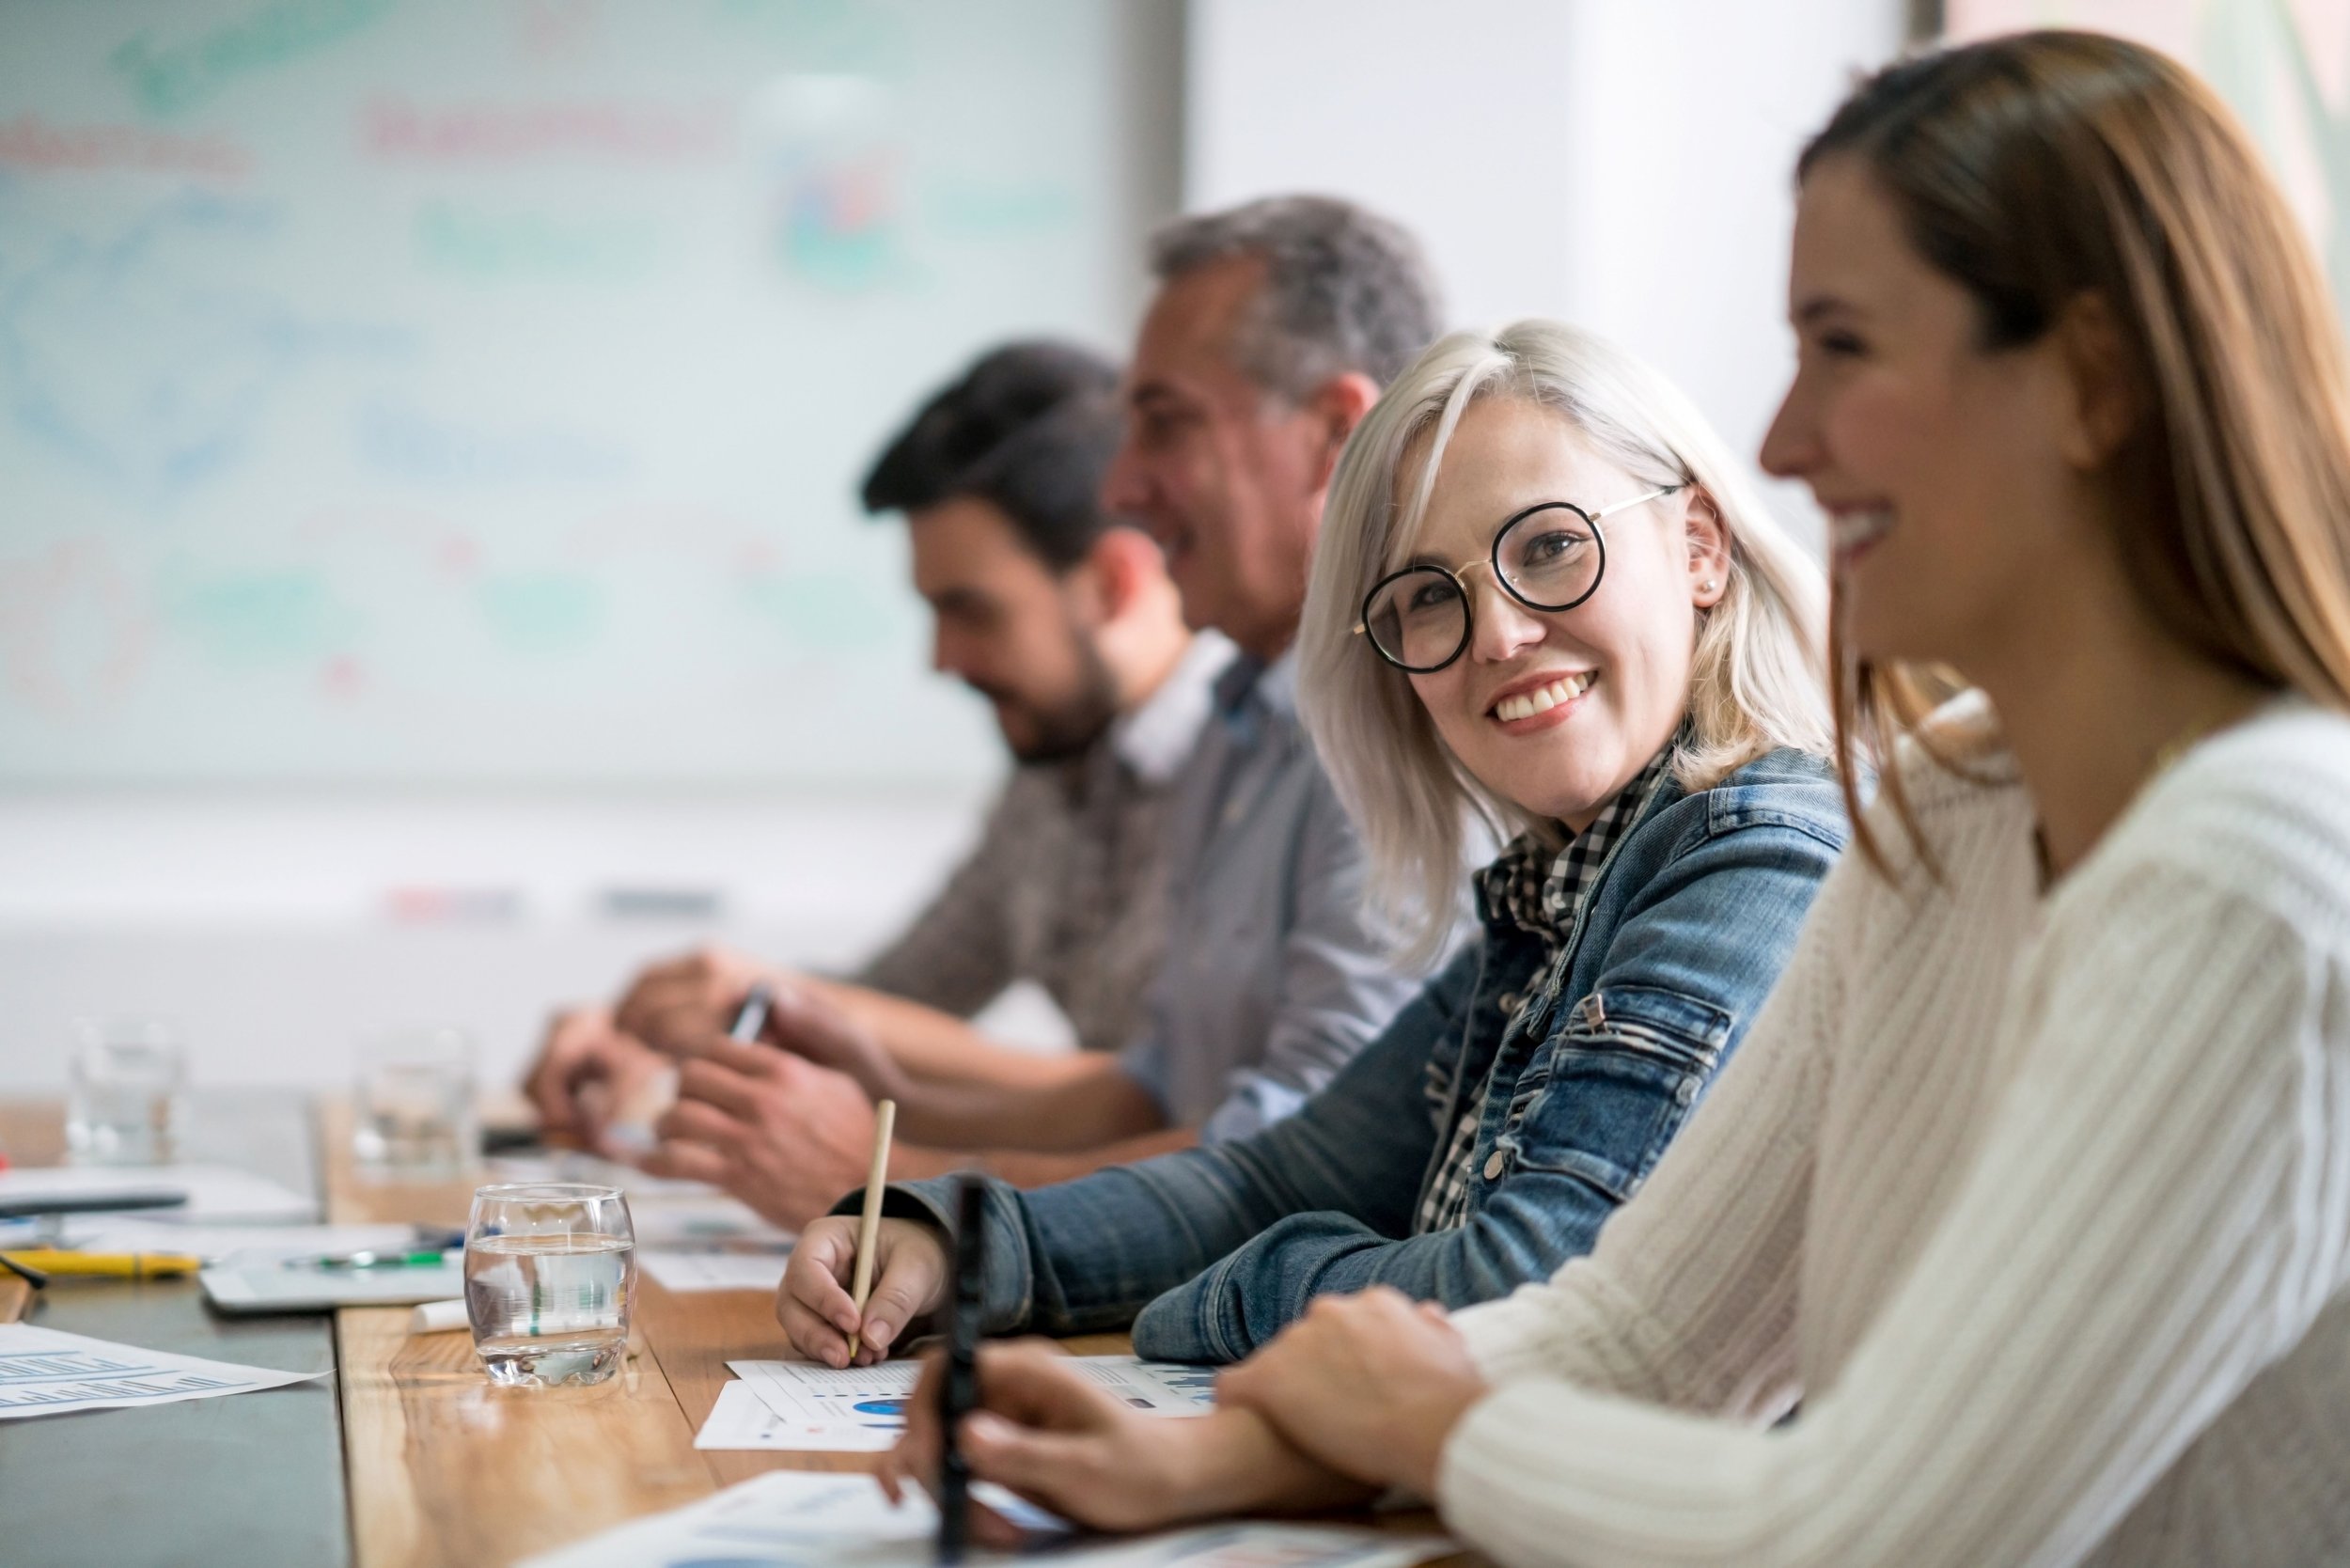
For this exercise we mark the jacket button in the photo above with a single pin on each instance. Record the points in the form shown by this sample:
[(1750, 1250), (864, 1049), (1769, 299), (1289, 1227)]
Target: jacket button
[(1494, 1162), (1511, 1002)]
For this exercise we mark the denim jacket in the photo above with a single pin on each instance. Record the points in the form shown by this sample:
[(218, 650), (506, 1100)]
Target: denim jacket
[(1596, 1061)]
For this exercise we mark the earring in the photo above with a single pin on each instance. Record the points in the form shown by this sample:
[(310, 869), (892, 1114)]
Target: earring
[(1706, 587)]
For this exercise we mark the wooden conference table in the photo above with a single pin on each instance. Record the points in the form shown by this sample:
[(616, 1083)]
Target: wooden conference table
[(408, 1457)]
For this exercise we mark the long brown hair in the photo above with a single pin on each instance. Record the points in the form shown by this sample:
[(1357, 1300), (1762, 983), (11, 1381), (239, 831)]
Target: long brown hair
[(2036, 170)]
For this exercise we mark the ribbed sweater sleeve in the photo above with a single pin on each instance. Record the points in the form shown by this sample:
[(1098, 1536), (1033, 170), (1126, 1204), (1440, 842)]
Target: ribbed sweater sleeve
[(2153, 1214)]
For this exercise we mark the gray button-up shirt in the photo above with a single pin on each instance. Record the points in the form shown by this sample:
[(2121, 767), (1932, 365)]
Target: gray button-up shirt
[(1275, 974), (1068, 885)]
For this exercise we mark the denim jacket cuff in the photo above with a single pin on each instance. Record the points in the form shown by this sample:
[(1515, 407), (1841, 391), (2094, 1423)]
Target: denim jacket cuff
[(932, 1202), (1199, 1320), (928, 1202)]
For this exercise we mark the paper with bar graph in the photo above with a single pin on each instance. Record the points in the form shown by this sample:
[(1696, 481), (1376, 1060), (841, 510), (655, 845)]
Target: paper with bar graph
[(44, 1372), (862, 1409)]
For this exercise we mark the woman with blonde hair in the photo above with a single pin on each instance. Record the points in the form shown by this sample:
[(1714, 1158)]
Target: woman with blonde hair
[(1546, 595), (2033, 1184)]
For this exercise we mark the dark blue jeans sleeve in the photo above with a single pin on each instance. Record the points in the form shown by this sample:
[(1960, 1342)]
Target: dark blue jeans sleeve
[(1591, 1112), (1085, 1256)]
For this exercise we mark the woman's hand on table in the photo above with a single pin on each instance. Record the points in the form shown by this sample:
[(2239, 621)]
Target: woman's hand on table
[(1370, 1385), (1063, 1442), (814, 1306)]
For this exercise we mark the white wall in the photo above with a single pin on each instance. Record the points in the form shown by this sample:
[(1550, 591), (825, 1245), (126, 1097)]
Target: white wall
[(1622, 164), (1444, 116), (280, 929)]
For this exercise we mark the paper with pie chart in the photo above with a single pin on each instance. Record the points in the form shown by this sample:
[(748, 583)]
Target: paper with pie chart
[(862, 1409)]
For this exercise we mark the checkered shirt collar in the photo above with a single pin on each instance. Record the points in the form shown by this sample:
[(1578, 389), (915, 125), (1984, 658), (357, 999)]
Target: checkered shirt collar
[(1536, 890), (1540, 891)]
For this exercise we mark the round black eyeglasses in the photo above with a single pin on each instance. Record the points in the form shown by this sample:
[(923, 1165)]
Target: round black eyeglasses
[(1550, 557)]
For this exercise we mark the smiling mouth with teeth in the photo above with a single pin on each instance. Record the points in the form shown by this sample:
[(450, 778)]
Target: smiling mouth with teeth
[(1542, 698), (1852, 532)]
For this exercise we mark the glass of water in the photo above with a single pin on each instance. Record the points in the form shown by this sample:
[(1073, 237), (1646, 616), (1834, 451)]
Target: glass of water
[(549, 1267), (126, 1098), (413, 1117)]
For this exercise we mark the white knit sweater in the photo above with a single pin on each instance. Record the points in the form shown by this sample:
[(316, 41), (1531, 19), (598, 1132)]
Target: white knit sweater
[(2040, 1206)]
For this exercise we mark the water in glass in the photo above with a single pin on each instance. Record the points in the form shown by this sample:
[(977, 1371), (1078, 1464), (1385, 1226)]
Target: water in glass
[(549, 1272), (126, 1093), (412, 1112)]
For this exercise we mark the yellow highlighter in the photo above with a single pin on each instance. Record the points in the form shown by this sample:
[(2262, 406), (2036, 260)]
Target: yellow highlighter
[(120, 1266)]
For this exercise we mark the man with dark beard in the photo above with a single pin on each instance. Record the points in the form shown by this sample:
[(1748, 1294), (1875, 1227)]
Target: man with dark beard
[(1070, 627)]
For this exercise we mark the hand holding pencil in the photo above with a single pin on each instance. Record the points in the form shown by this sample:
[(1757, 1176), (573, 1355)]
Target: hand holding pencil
[(854, 1284)]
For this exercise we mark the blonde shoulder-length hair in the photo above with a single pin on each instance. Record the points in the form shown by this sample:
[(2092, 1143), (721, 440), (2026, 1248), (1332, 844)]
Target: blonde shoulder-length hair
[(1758, 680)]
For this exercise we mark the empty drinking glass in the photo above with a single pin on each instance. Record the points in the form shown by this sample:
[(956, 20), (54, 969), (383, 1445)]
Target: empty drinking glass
[(549, 1270), (412, 1115), (126, 1098)]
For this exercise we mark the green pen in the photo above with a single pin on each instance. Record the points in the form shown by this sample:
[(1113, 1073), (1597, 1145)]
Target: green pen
[(371, 1259)]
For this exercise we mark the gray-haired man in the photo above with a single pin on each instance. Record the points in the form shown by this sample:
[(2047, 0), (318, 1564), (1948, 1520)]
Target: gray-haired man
[(1274, 328)]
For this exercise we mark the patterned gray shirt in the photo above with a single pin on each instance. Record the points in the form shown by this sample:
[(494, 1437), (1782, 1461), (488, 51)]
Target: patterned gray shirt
[(1068, 885), (1276, 974), (1539, 891)]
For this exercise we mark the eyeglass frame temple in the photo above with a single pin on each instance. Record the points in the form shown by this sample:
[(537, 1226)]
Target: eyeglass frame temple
[(1636, 501)]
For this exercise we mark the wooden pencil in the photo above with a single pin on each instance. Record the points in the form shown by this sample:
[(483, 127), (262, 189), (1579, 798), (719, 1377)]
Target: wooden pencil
[(869, 1226)]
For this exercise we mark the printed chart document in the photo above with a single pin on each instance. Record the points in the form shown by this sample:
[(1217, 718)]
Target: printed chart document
[(862, 1409), (43, 1373), (741, 1420), (792, 1519), (821, 1409)]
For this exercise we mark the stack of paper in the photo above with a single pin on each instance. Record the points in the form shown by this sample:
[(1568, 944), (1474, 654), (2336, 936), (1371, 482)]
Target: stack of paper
[(795, 1520), (741, 1420), (800, 1406)]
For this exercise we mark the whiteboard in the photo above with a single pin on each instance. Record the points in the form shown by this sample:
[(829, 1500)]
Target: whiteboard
[(474, 391)]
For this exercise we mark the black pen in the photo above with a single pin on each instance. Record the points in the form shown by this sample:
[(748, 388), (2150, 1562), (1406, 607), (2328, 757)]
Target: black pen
[(751, 1017), (959, 1391)]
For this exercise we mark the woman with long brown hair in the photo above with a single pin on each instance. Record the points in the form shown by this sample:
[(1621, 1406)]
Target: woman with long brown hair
[(2019, 1232)]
